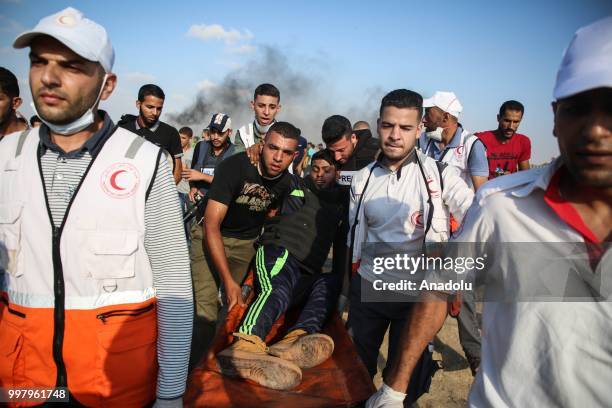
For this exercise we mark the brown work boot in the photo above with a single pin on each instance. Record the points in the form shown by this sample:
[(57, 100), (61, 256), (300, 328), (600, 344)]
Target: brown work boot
[(305, 350), (247, 358)]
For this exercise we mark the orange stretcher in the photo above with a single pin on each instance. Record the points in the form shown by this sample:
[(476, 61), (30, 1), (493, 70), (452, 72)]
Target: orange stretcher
[(341, 381)]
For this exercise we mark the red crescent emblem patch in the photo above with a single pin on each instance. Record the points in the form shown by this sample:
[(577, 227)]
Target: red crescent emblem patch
[(66, 20), (121, 180), (417, 219), (113, 180)]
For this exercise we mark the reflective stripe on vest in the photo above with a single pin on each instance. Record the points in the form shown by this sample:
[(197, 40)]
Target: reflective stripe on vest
[(99, 270)]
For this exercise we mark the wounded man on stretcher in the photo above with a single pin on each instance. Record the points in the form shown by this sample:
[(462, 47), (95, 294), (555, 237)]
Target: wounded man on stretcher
[(292, 250)]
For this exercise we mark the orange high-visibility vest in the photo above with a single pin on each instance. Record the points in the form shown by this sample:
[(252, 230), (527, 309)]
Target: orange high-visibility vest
[(78, 306)]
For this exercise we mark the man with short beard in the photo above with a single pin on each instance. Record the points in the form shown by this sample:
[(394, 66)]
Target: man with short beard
[(236, 206), (353, 149), (539, 351), (399, 205), (147, 124), (94, 275), (507, 151), (9, 103), (447, 141), (207, 154)]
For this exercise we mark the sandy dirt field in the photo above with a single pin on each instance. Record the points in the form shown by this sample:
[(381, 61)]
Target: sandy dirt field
[(450, 385)]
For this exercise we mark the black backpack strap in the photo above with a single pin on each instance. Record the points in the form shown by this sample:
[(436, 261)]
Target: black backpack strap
[(429, 142), (356, 220), (441, 166), (429, 200)]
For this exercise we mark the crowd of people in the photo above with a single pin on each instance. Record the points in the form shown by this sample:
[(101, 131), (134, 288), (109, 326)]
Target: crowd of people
[(124, 246)]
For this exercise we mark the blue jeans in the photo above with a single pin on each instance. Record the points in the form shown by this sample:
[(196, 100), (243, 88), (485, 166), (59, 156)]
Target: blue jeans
[(185, 204)]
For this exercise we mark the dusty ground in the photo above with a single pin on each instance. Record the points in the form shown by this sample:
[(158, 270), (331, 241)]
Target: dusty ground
[(450, 385)]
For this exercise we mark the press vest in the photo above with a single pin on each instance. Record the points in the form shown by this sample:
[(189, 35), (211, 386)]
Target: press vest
[(207, 162), (79, 306), (307, 233), (457, 155)]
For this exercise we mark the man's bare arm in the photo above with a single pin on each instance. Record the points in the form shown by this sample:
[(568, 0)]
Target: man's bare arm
[(194, 175), (426, 319), (214, 215), (178, 168), (524, 165), (478, 181), (298, 168)]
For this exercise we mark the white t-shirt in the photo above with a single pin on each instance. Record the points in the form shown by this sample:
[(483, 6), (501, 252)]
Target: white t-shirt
[(183, 185)]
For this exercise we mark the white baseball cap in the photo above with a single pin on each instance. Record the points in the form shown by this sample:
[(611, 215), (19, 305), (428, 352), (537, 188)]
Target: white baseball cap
[(587, 61), (447, 101), (82, 35)]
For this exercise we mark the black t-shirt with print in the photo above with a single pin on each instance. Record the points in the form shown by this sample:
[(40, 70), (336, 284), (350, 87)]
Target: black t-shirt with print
[(164, 136), (239, 185)]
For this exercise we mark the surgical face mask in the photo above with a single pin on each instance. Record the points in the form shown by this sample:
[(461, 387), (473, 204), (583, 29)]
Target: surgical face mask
[(78, 124), (262, 130), (435, 134)]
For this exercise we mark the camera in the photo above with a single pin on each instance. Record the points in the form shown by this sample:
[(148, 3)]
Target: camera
[(197, 208)]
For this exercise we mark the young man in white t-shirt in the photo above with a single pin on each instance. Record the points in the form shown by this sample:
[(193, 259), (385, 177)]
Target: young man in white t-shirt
[(186, 134)]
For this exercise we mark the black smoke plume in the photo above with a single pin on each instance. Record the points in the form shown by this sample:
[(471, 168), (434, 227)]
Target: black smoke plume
[(306, 95)]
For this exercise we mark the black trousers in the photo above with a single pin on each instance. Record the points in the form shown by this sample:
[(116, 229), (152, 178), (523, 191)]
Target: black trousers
[(367, 324)]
